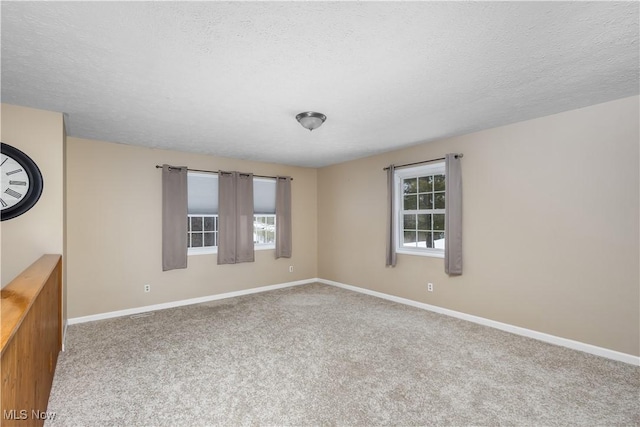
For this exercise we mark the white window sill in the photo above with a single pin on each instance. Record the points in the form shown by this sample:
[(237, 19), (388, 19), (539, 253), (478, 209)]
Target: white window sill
[(214, 250), (201, 251), (419, 252)]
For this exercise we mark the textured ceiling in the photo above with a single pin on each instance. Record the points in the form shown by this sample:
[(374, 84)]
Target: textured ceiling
[(229, 78)]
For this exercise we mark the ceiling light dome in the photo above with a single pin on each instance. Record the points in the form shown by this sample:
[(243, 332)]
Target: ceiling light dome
[(311, 120)]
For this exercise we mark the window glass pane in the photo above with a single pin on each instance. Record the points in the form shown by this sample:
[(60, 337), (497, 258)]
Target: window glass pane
[(438, 240), (409, 222), (196, 240), (409, 238), (410, 202), (208, 223), (425, 184), (264, 229), (427, 238), (189, 240), (188, 224), (196, 223), (410, 185), (438, 182), (425, 201), (438, 200), (423, 241), (208, 239), (424, 222), (438, 221)]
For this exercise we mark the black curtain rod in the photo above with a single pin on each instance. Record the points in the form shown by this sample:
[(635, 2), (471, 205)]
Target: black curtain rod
[(457, 156), (205, 171)]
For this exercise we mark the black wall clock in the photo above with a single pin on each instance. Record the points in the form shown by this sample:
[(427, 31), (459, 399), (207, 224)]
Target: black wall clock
[(21, 182)]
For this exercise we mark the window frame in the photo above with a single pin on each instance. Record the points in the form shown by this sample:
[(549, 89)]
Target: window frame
[(201, 250), (264, 246), (399, 176), (204, 250)]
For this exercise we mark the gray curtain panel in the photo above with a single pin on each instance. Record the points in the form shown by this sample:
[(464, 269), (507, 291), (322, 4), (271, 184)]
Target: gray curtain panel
[(235, 218), (174, 217), (453, 216), (390, 235), (226, 217), (283, 217), (244, 220)]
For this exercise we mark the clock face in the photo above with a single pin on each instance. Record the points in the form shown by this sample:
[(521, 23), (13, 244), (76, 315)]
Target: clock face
[(21, 182)]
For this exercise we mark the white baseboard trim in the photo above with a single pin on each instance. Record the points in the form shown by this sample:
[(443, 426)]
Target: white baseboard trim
[(552, 339), (172, 304)]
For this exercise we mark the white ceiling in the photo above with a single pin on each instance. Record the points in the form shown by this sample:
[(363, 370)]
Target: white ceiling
[(229, 78)]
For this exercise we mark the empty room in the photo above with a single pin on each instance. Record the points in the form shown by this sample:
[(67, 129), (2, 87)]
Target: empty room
[(320, 213)]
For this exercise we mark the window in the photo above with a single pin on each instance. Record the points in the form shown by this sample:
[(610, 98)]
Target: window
[(420, 208), (202, 221), (264, 213), (202, 231)]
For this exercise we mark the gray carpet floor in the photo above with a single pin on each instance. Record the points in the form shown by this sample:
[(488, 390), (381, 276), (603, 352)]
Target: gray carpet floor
[(320, 355)]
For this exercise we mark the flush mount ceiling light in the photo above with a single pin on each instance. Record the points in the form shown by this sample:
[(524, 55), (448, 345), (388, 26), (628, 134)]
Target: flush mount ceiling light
[(311, 120)]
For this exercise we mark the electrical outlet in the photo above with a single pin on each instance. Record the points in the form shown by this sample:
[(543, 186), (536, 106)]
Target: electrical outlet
[(430, 287), (147, 288), (291, 269)]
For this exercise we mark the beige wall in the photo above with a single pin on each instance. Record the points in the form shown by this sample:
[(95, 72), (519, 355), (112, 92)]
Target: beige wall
[(550, 226), (114, 197), (40, 135)]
